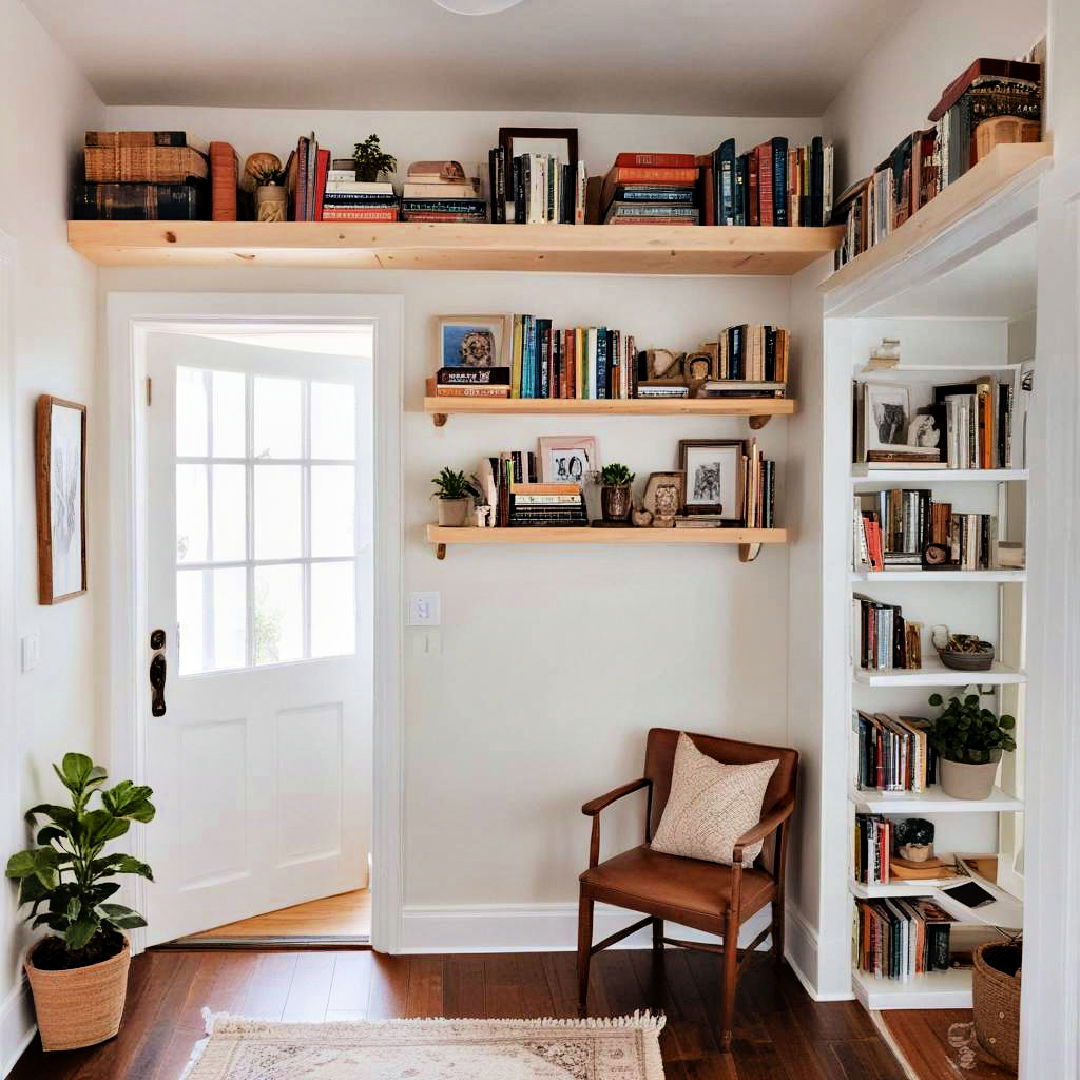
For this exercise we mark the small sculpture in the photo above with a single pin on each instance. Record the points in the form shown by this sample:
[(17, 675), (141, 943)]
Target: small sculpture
[(697, 369), (664, 367), (642, 518), (667, 505), (264, 174), (915, 838)]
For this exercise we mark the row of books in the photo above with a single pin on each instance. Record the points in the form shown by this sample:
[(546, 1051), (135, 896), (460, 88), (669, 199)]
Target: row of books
[(509, 485), (873, 848), (892, 753), (882, 638), (757, 496), (535, 189), (968, 125), (901, 938), (747, 353)]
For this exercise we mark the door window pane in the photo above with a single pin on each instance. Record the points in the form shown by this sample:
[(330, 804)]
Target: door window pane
[(278, 521), (229, 514), (277, 408), (333, 421), (333, 609), (192, 412), (192, 514), (229, 619), (189, 616), (333, 490), (211, 609), (279, 614), (229, 425)]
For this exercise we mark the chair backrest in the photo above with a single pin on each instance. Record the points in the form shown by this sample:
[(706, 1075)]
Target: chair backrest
[(660, 760)]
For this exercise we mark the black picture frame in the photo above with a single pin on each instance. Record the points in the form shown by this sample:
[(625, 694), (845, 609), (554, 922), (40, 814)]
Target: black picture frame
[(508, 135)]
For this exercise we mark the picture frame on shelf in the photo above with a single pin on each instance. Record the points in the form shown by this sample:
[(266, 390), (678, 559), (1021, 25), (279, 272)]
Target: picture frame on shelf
[(560, 143), (715, 475), (472, 341), (568, 459), (663, 477), (886, 415)]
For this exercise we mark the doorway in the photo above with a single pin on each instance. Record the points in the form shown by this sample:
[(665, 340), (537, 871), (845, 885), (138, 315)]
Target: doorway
[(258, 484)]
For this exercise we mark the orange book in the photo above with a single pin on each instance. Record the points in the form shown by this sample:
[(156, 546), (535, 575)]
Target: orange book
[(224, 181)]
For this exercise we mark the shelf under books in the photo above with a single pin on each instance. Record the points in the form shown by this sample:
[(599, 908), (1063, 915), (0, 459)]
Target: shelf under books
[(935, 673), (954, 577), (931, 801), (934, 990), (860, 474)]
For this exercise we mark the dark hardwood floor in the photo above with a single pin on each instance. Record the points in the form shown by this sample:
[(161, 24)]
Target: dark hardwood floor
[(780, 1034)]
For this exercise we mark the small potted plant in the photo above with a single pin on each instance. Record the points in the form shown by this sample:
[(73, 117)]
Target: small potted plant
[(454, 492), (970, 741), (616, 501), (370, 162), (915, 837), (265, 172), (79, 973)]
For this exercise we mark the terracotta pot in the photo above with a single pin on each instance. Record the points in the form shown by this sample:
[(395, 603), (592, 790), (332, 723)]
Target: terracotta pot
[(79, 1006), (967, 781), (616, 502), (453, 512)]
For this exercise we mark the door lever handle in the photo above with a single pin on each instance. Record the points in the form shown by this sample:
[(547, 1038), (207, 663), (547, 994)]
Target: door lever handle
[(158, 670)]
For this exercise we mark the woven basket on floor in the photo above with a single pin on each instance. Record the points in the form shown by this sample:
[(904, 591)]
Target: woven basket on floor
[(996, 1001), (79, 1006)]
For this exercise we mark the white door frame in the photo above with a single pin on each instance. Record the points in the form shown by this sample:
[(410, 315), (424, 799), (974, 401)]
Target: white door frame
[(131, 317)]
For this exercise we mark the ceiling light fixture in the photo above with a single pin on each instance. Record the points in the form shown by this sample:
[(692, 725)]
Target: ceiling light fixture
[(476, 7)]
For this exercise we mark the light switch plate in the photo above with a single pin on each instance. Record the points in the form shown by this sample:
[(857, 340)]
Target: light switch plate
[(425, 609), (31, 651)]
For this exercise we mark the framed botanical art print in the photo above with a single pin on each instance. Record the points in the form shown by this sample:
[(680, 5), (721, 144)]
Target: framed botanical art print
[(61, 499), (568, 459), (472, 341), (715, 477)]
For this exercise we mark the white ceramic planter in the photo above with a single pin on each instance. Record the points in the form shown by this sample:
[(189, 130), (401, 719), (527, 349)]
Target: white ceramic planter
[(967, 781)]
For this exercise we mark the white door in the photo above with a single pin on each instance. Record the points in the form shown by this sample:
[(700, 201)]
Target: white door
[(260, 509)]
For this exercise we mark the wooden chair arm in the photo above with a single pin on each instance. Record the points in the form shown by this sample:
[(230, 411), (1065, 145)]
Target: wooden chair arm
[(594, 806), (765, 827)]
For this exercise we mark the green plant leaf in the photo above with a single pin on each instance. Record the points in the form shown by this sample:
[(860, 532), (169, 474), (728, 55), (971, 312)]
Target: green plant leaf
[(129, 800), (79, 933), (52, 921), (935, 699), (1007, 722), (123, 917), (100, 826), (31, 890), (64, 816), (121, 864), (48, 833)]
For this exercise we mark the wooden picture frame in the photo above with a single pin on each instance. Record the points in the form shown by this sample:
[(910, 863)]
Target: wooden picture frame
[(60, 468), (500, 326), (581, 448), (509, 135), (663, 476), (728, 484)]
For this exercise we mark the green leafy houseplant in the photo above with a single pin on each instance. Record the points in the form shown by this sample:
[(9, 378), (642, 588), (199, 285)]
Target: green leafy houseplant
[(616, 475), (67, 879), (616, 503), (268, 177), (453, 485), (966, 733), (371, 162)]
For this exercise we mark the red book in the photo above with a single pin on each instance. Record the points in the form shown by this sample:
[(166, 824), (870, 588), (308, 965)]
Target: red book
[(656, 161), (322, 167), (619, 175), (764, 156), (979, 69), (224, 169), (753, 212), (707, 189)]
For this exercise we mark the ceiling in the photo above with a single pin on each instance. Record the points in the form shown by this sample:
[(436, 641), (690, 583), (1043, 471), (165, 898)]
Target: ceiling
[(687, 57)]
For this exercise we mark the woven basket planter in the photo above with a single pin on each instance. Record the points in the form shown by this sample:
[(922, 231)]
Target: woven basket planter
[(995, 993), (79, 1006)]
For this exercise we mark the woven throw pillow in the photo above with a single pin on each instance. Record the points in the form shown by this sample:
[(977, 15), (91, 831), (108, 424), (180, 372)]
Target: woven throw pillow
[(711, 805)]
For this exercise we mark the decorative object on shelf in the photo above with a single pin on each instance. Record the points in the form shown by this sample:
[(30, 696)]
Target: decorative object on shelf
[(641, 517), (666, 499), (1010, 555), (667, 477), (663, 367), (264, 173), (616, 493), (995, 999), (471, 341), (454, 492), (970, 740), (569, 459), (79, 972), (935, 557), (60, 438), (371, 162), (915, 837), (715, 477), (884, 356), (966, 652), (697, 370)]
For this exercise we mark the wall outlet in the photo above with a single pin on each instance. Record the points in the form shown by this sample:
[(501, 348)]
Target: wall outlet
[(31, 651), (425, 609)]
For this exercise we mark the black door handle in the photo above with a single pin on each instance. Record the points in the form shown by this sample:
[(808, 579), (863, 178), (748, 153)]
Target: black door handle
[(158, 669)]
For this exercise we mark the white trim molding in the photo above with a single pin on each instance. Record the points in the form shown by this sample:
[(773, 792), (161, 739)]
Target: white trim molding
[(17, 1027)]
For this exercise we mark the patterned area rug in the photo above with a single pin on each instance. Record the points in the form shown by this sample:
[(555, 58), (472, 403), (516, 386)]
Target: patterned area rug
[(620, 1049)]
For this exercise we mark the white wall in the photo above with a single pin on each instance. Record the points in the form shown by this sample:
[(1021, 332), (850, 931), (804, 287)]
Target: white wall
[(45, 106)]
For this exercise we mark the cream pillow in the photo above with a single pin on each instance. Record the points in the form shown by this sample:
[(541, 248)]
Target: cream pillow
[(711, 805)]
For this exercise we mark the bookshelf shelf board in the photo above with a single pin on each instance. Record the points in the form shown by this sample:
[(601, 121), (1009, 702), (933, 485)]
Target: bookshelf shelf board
[(897, 888), (977, 186), (933, 801), (591, 249), (860, 474), (758, 410), (936, 990), (955, 577), (935, 673)]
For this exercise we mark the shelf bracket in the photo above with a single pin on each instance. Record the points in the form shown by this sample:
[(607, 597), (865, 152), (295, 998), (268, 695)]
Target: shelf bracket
[(439, 419), (758, 422), (749, 552), (440, 552)]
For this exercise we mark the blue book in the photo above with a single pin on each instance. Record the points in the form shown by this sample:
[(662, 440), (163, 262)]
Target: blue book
[(601, 363), (724, 168), (779, 176)]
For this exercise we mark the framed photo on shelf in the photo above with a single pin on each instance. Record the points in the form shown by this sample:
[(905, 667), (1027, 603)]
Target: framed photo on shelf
[(559, 143), (663, 479), (568, 459), (715, 477), (472, 341), (60, 436), (886, 415)]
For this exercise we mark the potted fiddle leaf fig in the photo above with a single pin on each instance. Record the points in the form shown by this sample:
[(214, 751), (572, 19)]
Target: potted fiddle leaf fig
[(616, 492), (454, 492), (79, 972), (970, 741)]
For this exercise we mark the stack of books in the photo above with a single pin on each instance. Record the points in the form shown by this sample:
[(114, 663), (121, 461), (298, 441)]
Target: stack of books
[(899, 939), (306, 174), (535, 189), (509, 484), (873, 846), (772, 184), (462, 382), (750, 354), (349, 199), (143, 175), (440, 191), (883, 638), (650, 189), (892, 753)]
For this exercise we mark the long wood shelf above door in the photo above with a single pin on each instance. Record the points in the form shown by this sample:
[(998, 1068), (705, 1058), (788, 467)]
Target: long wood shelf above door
[(600, 249)]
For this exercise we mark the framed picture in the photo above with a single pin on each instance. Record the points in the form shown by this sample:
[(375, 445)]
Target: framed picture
[(715, 477), (559, 143), (657, 480), (472, 341), (886, 415), (61, 499), (568, 459)]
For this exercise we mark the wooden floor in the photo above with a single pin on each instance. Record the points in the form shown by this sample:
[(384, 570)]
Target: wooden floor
[(940, 1044), (347, 915), (780, 1034)]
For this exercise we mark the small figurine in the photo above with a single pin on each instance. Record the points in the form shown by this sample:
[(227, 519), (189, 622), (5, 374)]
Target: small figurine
[(642, 518)]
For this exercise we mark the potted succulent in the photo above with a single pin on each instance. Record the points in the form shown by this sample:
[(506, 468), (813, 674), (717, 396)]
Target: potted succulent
[(616, 502), (266, 173), (454, 492), (370, 162), (970, 741), (79, 973)]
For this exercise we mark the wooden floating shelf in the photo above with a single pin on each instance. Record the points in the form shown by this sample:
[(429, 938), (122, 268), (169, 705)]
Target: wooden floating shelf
[(749, 540), (759, 411), (933, 801), (977, 186), (860, 474), (934, 990), (589, 249), (935, 673)]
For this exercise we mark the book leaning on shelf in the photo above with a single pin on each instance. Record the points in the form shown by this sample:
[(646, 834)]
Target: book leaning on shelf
[(883, 638), (900, 939), (892, 752)]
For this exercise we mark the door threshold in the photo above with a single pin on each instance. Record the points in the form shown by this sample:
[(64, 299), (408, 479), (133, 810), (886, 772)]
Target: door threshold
[(305, 942)]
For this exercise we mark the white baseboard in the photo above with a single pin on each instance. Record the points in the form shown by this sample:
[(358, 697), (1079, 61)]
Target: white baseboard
[(801, 954), (17, 1026), (530, 928)]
